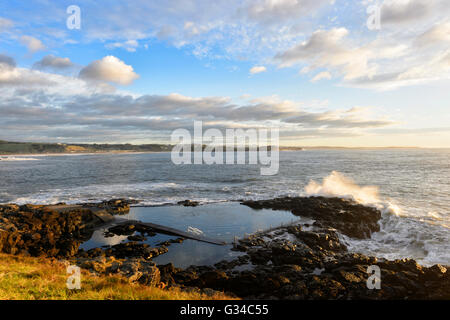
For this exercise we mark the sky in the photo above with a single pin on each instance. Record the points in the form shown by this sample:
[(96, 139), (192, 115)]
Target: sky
[(325, 72)]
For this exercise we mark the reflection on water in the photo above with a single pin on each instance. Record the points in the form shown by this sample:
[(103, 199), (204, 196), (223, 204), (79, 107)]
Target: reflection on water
[(221, 221)]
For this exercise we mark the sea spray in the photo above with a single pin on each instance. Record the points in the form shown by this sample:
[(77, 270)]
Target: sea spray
[(338, 185)]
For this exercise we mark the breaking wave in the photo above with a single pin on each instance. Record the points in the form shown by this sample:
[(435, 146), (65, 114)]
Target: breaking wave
[(338, 185), (401, 235)]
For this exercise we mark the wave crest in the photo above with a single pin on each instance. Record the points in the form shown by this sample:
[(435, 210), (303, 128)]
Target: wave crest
[(338, 185)]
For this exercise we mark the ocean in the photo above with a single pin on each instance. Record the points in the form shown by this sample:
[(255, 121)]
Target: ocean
[(410, 186)]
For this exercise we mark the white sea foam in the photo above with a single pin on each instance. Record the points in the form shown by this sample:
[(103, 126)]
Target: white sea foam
[(12, 158)]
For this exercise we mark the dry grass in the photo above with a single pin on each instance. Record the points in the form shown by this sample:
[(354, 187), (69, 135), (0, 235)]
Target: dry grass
[(28, 278)]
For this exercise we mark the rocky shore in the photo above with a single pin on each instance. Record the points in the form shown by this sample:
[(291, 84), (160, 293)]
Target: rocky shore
[(305, 260)]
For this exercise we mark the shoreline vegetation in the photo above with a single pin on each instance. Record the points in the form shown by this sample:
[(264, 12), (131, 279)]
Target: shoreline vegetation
[(298, 261), (8, 148), (35, 278)]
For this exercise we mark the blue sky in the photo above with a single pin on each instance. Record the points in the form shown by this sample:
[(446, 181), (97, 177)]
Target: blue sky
[(137, 70)]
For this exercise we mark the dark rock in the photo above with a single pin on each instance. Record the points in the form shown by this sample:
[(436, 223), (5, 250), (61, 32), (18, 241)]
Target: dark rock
[(151, 276), (125, 229), (213, 279), (114, 207), (41, 230), (188, 203), (177, 240), (350, 218), (435, 272), (137, 238)]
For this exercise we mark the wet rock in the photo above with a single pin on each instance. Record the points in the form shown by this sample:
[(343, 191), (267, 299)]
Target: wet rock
[(349, 277), (435, 273), (151, 276), (350, 218), (51, 230), (114, 207), (40, 230), (167, 272), (95, 252), (97, 265), (135, 249), (137, 238), (130, 229), (315, 265), (188, 203), (320, 240), (125, 229), (187, 277), (213, 279)]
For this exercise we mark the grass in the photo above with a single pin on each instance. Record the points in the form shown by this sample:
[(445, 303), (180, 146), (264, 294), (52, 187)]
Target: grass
[(29, 278)]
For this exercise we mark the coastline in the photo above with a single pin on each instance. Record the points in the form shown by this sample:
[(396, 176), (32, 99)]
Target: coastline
[(298, 261), (78, 153), (283, 149)]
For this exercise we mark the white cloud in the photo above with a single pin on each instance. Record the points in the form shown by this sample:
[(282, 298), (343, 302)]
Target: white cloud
[(44, 85), (321, 42), (406, 11), (7, 61), (5, 24), (432, 69), (194, 29), (382, 63), (329, 49), (411, 17), (33, 44), (110, 69), (217, 29), (51, 61), (439, 33), (129, 45), (321, 75), (7, 73), (278, 11), (52, 106), (258, 69)]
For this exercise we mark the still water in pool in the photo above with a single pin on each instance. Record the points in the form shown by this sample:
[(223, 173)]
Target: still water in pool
[(222, 221)]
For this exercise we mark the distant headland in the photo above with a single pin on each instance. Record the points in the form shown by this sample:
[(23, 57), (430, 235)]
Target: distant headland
[(11, 148)]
